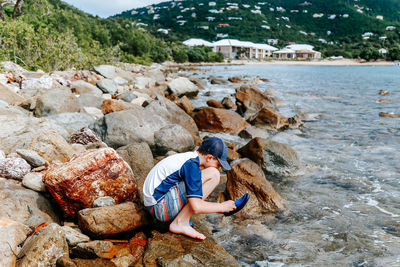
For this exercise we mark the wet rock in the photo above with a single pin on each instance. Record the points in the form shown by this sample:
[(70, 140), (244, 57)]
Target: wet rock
[(383, 92), (107, 71), (214, 80), (14, 168), (111, 220), (219, 120), (384, 101), (269, 118), (84, 136), (51, 146), (82, 87), (20, 204), (185, 104), (31, 157), (173, 137), (250, 100), (214, 104), (140, 158), (295, 121), (73, 236), (103, 202), (137, 246), (89, 100), (93, 249), (177, 250), (273, 157), (9, 96), (113, 105), (33, 180), (107, 86), (45, 247), (92, 174), (228, 103), (388, 115), (247, 177), (12, 234), (200, 83), (56, 101), (236, 79), (72, 121), (253, 132), (183, 86), (99, 262)]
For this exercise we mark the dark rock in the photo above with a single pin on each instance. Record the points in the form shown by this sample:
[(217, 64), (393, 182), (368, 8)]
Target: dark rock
[(269, 118), (383, 92), (236, 80), (250, 100), (228, 103), (214, 104), (84, 136), (92, 174), (388, 115)]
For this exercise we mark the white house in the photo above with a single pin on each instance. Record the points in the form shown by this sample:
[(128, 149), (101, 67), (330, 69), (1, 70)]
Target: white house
[(232, 48), (297, 51), (197, 42), (382, 51)]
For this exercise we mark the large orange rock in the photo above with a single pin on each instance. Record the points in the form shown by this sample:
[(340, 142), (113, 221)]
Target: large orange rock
[(247, 177), (113, 105), (250, 100), (219, 120), (92, 174), (269, 118)]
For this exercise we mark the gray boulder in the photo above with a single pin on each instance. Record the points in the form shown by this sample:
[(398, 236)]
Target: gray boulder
[(56, 101), (173, 137), (9, 96), (142, 82), (183, 86), (31, 157), (83, 87), (107, 71), (155, 74), (32, 86), (33, 180), (72, 121), (107, 86), (89, 100)]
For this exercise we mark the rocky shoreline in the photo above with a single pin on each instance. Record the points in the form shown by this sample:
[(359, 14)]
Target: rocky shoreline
[(76, 146)]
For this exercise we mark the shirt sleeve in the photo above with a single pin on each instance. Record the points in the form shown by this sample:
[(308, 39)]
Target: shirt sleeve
[(191, 174)]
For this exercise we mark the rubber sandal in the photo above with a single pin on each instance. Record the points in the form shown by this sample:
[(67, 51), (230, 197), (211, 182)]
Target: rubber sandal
[(191, 224), (240, 203)]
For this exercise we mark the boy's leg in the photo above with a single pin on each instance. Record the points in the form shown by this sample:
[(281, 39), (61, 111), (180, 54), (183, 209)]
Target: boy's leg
[(180, 225)]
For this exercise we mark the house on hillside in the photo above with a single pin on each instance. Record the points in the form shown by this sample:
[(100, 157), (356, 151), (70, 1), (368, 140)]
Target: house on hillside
[(297, 51), (232, 48)]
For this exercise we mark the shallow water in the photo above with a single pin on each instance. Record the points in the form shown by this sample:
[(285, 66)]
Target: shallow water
[(345, 208)]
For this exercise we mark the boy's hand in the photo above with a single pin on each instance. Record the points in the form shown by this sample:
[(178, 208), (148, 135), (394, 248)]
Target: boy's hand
[(228, 206)]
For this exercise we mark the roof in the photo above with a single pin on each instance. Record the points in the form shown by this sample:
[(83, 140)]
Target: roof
[(302, 47), (265, 47), (285, 51), (237, 43), (197, 42)]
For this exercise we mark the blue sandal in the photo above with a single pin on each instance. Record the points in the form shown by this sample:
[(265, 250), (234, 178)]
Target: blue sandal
[(240, 203)]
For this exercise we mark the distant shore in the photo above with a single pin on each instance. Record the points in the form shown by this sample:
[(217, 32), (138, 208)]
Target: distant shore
[(323, 62)]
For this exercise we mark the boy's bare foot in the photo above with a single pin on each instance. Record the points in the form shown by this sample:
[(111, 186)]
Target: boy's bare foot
[(185, 229)]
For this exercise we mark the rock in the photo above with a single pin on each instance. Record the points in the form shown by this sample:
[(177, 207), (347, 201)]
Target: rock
[(111, 220), (200, 83), (295, 121), (14, 168), (156, 75), (143, 83), (214, 80), (383, 92), (173, 137), (8, 110), (177, 250), (219, 120), (247, 177), (89, 100), (47, 246), (127, 96), (33, 180), (140, 101), (253, 132), (251, 100), (32, 86), (51, 146), (94, 112), (56, 101), (9, 96), (185, 104), (12, 234), (232, 155), (183, 86), (84, 136), (388, 115), (65, 261), (113, 105), (236, 80), (94, 249), (20, 204), (107, 71), (98, 262), (273, 157), (384, 101), (103, 202), (137, 246), (31, 157), (228, 103), (269, 118), (72, 121), (2, 154), (107, 86), (140, 158), (73, 236), (258, 80), (214, 104), (92, 174), (82, 87)]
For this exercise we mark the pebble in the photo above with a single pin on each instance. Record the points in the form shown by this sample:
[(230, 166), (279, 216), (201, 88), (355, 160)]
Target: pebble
[(33, 180), (31, 157)]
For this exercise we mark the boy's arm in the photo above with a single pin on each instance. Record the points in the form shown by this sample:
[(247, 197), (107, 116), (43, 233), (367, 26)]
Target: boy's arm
[(200, 206)]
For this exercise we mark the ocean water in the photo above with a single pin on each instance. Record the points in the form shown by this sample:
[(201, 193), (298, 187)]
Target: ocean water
[(344, 210)]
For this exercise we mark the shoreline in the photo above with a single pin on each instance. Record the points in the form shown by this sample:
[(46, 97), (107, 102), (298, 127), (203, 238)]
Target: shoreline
[(324, 62)]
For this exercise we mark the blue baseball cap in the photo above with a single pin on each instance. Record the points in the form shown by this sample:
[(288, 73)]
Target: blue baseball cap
[(216, 147)]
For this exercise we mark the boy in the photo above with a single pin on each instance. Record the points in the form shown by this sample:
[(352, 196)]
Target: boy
[(176, 188)]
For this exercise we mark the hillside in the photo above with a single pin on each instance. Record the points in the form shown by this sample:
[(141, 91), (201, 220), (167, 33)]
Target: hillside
[(329, 25)]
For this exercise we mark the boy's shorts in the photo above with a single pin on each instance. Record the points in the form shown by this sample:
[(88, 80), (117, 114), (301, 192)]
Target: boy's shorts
[(172, 203)]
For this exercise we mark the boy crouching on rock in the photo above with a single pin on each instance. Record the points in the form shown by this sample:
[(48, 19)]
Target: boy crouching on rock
[(176, 188)]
